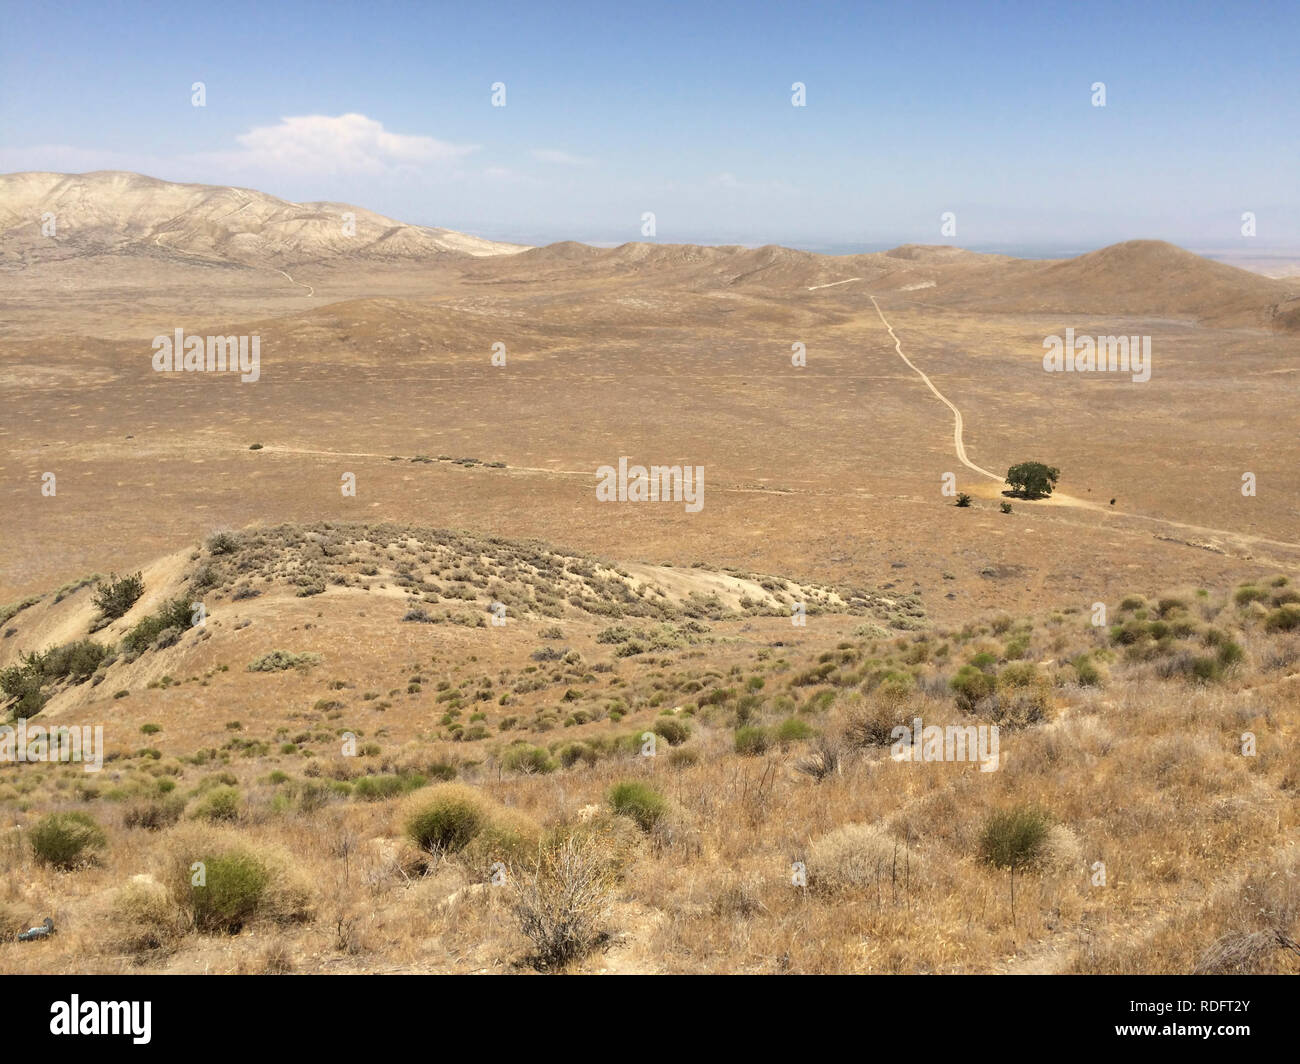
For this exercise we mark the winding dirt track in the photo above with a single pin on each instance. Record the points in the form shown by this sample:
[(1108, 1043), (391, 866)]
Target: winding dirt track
[(310, 290), (1239, 540), (957, 424), (158, 243)]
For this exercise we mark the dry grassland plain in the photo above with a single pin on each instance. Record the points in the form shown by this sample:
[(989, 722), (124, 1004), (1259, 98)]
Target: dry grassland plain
[(647, 767)]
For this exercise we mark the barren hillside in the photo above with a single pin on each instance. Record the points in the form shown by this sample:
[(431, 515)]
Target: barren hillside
[(130, 214)]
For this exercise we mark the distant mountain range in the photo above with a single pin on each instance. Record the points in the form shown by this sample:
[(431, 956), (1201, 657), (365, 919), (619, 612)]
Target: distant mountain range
[(46, 217)]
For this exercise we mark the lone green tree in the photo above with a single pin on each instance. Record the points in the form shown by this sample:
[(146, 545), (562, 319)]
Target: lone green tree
[(1033, 480)]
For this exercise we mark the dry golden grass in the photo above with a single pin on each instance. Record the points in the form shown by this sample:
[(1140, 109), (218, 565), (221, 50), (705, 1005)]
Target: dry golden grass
[(1134, 755)]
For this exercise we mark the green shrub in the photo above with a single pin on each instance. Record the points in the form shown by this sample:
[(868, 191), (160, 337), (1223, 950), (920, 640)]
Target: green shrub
[(1128, 633), (378, 787), (448, 822), (1248, 593), (71, 661), (219, 804), (7, 613), (23, 684), (639, 801), (65, 840), (223, 543), (527, 759), (1014, 838), (1229, 655), (818, 701), (116, 597), (233, 888), (1207, 669), (1283, 619), (970, 685), (671, 729), (1017, 647), (1018, 674), (26, 681), (793, 730), (1086, 671), (173, 614), (571, 753), (753, 740)]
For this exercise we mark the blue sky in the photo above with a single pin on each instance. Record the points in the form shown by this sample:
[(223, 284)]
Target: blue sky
[(612, 110)]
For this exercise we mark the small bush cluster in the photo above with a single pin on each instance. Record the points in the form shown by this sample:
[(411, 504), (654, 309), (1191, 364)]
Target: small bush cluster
[(114, 598), (66, 840)]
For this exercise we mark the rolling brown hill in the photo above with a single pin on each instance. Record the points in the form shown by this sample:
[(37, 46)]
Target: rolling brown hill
[(1140, 278), (109, 214)]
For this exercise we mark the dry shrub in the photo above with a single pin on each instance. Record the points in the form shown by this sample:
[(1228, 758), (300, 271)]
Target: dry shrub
[(144, 920), (154, 813), (1062, 851), (824, 760), (617, 837), (1244, 952), (737, 898), (679, 830), (11, 922), (275, 959), (1016, 707), (1267, 915), (873, 720), (562, 897), (856, 856), (509, 837)]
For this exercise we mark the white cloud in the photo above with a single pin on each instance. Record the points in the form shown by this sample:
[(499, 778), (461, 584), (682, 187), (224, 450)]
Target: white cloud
[(561, 158), (297, 147), (350, 143)]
